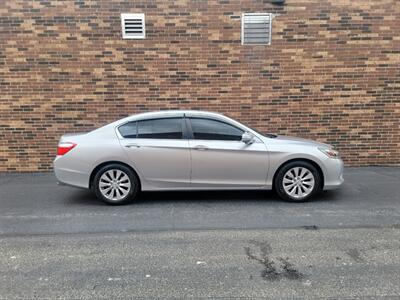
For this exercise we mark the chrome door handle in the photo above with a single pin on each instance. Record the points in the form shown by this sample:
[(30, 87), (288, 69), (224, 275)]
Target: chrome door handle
[(200, 147), (132, 146)]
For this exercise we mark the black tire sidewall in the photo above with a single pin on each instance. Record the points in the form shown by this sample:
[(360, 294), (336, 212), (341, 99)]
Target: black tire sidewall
[(278, 184), (132, 177)]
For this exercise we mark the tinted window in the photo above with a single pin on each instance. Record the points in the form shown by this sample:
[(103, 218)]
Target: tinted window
[(206, 129), (128, 130), (170, 128)]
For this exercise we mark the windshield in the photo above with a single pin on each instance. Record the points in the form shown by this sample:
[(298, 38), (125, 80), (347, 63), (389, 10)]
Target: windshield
[(270, 135)]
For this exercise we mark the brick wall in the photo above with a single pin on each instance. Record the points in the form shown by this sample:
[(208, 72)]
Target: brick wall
[(332, 72)]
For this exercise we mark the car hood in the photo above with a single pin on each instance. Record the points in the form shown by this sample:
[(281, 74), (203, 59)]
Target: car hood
[(300, 141)]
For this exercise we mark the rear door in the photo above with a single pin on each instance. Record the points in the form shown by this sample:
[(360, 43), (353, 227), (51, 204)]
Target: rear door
[(158, 151), (221, 160)]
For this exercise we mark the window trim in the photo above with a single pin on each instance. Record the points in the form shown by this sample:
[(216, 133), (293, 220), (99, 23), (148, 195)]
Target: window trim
[(191, 134), (183, 128), (270, 28)]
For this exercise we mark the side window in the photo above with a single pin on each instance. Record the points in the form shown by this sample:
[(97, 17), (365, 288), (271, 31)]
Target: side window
[(207, 129), (169, 128), (128, 130)]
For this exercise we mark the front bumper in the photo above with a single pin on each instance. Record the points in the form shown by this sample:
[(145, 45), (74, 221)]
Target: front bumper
[(333, 173)]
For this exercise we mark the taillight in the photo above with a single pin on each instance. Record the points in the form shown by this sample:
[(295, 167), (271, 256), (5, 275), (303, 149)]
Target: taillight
[(64, 148)]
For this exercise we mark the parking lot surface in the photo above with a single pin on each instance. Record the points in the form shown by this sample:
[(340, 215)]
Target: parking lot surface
[(57, 241)]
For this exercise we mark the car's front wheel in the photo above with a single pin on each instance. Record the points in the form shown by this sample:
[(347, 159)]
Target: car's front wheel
[(297, 181), (116, 184)]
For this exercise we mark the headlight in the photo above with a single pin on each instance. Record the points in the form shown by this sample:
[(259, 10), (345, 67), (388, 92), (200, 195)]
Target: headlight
[(330, 152)]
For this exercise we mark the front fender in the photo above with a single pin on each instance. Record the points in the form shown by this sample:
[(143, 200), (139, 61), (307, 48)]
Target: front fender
[(278, 159)]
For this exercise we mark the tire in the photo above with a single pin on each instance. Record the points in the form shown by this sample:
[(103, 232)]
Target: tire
[(297, 181), (116, 184)]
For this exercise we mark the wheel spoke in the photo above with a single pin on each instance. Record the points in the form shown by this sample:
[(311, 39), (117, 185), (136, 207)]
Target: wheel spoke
[(306, 184), (118, 193), (285, 180), (104, 184), (309, 176), (289, 175), (307, 180), (106, 190), (296, 193), (107, 175), (125, 186), (292, 189), (299, 191), (123, 189), (306, 189), (118, 175), (289, 186), (122, 192)]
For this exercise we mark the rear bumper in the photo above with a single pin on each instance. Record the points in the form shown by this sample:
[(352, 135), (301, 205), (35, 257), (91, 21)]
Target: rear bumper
[(334, 174), (67, 176)]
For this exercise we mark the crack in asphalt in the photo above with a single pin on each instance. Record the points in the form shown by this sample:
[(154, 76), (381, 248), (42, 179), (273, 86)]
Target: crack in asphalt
[(310, 227)]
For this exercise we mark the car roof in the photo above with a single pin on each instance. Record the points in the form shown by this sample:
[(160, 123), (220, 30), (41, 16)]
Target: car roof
[(163, 113)]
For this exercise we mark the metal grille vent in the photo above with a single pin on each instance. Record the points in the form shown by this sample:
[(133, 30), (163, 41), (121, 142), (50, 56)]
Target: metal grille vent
[(256, 28), (133, 26)]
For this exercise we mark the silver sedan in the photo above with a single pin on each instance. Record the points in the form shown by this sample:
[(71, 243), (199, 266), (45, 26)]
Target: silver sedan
[(193, 150)]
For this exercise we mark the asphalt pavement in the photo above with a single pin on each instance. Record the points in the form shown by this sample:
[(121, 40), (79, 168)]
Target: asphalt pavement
[(57, 241)]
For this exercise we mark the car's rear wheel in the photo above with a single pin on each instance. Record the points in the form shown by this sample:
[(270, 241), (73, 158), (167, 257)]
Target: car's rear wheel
[(297, 181), (116, 184)]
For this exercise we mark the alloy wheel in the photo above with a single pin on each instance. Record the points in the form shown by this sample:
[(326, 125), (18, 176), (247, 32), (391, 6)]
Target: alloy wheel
[(298, 182), (114, 184)]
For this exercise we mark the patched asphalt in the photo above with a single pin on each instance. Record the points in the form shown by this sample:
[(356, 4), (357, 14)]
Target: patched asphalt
[(278, 264)]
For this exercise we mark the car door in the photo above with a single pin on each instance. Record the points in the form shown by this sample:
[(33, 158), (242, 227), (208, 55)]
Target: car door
[(221, 160), (157, 151)]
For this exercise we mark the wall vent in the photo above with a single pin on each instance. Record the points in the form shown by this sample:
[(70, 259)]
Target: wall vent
[(256, 28), (133, 26)]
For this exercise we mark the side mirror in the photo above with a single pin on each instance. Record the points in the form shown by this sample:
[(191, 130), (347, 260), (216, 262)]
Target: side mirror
[(247, 138)]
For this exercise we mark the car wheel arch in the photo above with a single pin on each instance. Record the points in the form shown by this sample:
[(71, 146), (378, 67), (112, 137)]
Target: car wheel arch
[(98, 167), (314, 163)]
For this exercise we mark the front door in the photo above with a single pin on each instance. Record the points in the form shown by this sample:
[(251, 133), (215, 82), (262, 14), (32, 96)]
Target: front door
[(221, 160)]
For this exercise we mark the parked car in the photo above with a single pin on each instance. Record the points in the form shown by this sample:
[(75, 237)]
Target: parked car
[(193, 150)]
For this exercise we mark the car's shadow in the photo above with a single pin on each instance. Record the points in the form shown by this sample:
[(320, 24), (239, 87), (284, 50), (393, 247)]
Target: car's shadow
[(204, 197)]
